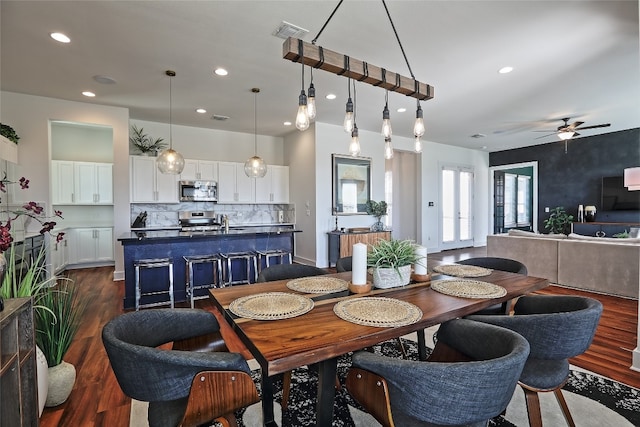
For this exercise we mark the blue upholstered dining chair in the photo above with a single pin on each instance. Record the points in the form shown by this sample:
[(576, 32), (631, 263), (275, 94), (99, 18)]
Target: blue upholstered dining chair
[(469, 378), (186, 388), (557, 328), (289, 271)]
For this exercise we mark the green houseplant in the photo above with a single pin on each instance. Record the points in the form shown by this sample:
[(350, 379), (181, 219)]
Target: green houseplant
[(377, 209), (144, 143), (391, 261), (9, 133), (56, 326), (559, 221)]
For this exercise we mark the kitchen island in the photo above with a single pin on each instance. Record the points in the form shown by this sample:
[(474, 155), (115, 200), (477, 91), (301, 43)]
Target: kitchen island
[(176, 244)]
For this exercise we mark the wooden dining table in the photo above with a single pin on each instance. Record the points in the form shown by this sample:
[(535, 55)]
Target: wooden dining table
[(320, 336)]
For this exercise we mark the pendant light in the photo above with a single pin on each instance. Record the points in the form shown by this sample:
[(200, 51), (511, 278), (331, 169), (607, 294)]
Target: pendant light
[(311, 99), (170, 161), (417, 145), (388, 149), (418, 127), (255, 167), (348, 116), (354, 146), (302, 118), (386, 120)]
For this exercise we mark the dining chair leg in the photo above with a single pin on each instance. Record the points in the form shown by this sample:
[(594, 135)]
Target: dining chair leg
[(402, 350), (533, 408), (564, 407), (286, 389), (228, 420)]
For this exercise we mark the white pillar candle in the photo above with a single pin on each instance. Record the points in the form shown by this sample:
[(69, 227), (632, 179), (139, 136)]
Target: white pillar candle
[(359, 264), (420, 266)]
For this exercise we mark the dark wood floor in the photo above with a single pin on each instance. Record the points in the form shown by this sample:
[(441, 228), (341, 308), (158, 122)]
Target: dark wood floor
[(97, 400)]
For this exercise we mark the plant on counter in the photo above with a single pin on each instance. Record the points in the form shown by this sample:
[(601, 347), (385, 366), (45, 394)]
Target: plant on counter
[(391, 261), (9, 133), (144, 143), (559, 221), (377, 209)]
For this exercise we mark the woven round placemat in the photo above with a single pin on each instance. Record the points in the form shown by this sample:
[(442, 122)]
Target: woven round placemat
[(318, 285), (271, 306), (468, 288), (377, 311), (460, 270)]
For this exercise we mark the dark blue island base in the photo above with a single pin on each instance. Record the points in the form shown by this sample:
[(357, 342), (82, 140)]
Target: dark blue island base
[(175, 245)]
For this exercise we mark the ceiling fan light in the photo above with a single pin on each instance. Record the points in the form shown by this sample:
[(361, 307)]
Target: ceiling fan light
[(565, 135)]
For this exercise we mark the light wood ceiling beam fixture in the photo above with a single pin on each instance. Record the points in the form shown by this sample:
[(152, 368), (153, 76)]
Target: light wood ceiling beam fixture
[(297, 50)]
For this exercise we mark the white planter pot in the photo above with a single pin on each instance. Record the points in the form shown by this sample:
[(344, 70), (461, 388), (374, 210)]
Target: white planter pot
[(61, 380), (385, 278), (43, 379)]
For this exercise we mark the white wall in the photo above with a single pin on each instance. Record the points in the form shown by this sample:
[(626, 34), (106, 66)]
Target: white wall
[(212, 144), (30, 116)]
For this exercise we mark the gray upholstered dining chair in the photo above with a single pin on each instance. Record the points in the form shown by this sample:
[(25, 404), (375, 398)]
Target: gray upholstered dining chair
[(557, 328), (469, 378), (289, 271), (186, 388), (494, 263), (344, 264)]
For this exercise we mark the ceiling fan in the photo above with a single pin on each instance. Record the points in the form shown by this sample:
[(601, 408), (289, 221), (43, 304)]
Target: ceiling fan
[(568, 131)]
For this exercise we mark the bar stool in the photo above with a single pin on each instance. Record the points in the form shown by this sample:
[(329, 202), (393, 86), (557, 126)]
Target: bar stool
[(216, 274), (266, 255), (143, 264), (249, 258)]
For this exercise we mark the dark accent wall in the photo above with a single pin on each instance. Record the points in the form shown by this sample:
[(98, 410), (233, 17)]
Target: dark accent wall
[(575, 178)]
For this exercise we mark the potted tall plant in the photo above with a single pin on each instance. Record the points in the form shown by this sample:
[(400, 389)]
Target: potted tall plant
[(56, 326), (144, 143), (390, 261), (377, 209), (559, 221)]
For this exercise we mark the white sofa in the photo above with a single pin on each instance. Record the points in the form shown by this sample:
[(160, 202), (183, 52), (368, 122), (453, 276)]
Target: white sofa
[(604, 265)]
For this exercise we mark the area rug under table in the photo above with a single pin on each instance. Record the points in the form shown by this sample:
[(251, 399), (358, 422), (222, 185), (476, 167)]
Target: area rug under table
[(594, 401)]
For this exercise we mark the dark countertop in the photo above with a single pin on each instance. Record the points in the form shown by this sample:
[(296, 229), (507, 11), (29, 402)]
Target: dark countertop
[(237, 231)]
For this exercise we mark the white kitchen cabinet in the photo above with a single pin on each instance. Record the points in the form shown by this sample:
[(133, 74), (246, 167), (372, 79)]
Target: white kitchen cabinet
[(149, 185), (59, 254), (274, 187), (89, 245), (199, 170), (8, 150), (81, 183), (234, 186)]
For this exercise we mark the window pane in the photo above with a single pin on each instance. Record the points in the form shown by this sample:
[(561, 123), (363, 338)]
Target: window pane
[(448, 206), (510, 184), (524, 194), (466, 179)]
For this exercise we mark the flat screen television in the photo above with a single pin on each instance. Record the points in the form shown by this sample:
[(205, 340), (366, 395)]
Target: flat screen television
[(616, 197)]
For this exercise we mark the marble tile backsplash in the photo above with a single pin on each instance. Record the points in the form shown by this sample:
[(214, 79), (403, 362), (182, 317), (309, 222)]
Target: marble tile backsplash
[(161, 215)]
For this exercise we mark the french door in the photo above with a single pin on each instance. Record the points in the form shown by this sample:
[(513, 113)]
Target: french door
[(456, 212)]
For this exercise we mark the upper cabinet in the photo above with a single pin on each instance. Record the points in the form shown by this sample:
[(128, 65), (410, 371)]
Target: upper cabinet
[(81, 183), (8, 150), (234, 186), (149, 185), (274, 187), (205, 170)]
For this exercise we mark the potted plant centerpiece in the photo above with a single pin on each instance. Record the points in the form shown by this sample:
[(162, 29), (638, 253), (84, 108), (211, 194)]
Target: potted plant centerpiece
[(377, 209), (144, 143), (390, 261)]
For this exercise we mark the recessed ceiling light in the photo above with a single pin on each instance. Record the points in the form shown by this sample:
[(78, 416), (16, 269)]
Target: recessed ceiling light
[(401, 110), (287, 123), (105, 80), (201, 110), (331, 96), (484, 147), (89, 94), (505, 70), (221, 72), (59, 37)]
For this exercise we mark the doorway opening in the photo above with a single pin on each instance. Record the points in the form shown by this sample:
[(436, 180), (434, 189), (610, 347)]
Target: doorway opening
[(514, 191), (456, 203)]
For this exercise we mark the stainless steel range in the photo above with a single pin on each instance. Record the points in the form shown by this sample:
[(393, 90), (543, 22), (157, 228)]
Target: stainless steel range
[(199, 220)]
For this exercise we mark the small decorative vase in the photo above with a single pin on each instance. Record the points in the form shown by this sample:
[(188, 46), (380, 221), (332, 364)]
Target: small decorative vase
[(61, 380), (384, 278), (43, 379), (589, 213), (378, 225)]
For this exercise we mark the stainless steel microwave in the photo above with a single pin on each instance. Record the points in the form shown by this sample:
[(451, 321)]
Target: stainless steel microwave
[(198, 191)]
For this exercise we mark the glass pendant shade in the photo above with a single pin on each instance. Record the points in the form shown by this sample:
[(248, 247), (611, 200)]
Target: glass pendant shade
[(417, 145), (418, 127), (388, 149), (255, 167), (170, 162), (354, 146), (302, 118), (348, 116), (311, 102)]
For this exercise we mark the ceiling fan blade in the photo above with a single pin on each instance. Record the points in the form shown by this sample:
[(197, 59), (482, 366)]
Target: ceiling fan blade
[(544, 136), (604, 125), (546, 130), (575, 134), (574, 125)]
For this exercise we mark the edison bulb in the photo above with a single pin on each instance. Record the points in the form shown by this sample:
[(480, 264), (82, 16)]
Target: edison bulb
[(302, 118), (418, 127), (388, 149), (386, 123), (348, 117), (418, 145), (311, 102), (354, 146)]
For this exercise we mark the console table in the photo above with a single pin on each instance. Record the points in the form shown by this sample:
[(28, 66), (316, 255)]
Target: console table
[(341, 244), (609, 228)]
